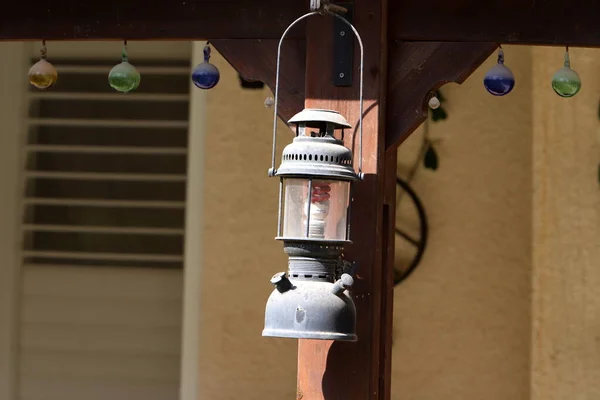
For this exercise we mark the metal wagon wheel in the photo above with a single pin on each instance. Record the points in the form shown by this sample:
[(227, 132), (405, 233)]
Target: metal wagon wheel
[(415, 239)]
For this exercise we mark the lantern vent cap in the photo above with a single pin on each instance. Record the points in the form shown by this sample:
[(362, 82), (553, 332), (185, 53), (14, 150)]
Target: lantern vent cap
[(320, 157), (313, 117)]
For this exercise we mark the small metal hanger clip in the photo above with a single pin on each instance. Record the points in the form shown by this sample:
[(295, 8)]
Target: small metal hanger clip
[(324, 6)]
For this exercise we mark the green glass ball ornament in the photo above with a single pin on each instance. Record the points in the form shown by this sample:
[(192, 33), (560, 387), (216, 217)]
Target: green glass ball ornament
[(124, 77), (566, 82)]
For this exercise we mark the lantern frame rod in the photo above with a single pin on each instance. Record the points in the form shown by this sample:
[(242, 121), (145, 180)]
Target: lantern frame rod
[(272, 170), (349, 212), (310, 189), (279, 222)]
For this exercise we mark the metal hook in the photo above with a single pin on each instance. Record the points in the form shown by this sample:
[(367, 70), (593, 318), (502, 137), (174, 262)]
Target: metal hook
[(272, 170), (324, 6)]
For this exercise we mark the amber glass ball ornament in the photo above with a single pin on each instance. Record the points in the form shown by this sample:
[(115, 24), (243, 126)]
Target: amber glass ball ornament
[(42, 74)]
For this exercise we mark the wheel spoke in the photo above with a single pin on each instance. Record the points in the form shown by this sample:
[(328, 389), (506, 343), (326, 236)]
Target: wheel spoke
[(407, 237)]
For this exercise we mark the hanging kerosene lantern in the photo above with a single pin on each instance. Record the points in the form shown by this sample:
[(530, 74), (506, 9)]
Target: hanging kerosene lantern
[(311, 300)]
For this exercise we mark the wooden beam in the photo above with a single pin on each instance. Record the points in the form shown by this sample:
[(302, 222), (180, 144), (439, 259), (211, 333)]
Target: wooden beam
[(340, 370), (256, 60), (535, 22), (417, 68), (158, 19), (548, 22)]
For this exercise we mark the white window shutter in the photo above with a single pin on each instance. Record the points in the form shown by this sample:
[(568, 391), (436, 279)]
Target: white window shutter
[(103, 229)]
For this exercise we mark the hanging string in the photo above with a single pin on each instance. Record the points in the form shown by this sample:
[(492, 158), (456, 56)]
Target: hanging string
[(124, 55), (43, 50)]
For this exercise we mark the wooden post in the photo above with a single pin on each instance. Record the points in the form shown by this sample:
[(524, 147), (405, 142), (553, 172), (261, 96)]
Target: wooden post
[(337, 370)]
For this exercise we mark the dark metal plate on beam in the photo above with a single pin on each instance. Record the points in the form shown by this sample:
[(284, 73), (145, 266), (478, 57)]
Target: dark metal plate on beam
[(343, 48)]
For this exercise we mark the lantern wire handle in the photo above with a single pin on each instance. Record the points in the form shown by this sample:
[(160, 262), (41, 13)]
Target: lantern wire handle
[(272, 170)]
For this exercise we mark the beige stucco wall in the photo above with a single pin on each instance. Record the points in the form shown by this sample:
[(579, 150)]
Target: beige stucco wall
[(566, 284), (505, 302), (240, 255), (462, 320)]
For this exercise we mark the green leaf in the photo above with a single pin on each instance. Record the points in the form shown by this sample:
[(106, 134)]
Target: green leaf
[(438, 114), (431, 160), (438, 94)]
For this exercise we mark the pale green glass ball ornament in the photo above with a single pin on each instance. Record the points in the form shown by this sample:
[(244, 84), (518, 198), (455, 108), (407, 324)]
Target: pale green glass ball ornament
[(566, 82), (124, 77)]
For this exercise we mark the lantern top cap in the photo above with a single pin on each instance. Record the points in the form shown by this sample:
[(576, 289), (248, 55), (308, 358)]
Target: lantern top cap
[(313, 117)]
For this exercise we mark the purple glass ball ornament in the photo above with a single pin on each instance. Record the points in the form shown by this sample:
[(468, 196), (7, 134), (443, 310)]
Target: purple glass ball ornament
[(206, 75), (499, 80)]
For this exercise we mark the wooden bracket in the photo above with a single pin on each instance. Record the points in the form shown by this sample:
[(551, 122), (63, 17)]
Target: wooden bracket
[(417, 68), (256, 59)]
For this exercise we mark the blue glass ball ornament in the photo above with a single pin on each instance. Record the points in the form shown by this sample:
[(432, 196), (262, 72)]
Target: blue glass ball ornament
[(206, 75), (499, 80)]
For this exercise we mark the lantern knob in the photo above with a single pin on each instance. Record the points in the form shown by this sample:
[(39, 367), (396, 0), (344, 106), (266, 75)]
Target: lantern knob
[(342, 284), (281, 282)]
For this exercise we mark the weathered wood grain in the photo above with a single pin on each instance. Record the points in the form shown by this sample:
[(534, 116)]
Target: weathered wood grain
[(257, 60)]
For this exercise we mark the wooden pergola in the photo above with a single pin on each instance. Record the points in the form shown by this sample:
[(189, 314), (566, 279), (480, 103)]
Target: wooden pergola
[(411, 48)]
